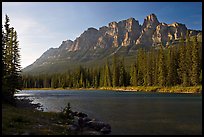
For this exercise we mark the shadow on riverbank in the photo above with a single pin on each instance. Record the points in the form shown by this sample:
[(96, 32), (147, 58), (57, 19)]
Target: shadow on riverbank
[(23, 118)]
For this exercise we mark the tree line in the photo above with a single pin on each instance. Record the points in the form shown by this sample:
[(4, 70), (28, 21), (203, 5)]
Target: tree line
[(11, 69), (162, 66)]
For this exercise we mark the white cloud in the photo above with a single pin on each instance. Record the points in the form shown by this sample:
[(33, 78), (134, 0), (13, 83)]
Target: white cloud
[(34, 37)]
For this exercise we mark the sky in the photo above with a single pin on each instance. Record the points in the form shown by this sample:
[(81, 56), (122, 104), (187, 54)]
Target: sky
[(44, 25)]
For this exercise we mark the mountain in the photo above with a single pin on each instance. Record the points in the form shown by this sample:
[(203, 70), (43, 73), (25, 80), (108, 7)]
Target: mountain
[(93, 46)]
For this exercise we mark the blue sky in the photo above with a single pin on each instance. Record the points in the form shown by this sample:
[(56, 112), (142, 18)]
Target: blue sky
[(42, 25)]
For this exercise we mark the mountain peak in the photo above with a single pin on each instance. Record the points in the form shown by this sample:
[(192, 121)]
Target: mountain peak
[(150, 21), (91, 29), (151, 17)]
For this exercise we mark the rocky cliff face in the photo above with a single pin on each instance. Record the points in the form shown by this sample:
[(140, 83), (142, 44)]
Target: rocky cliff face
[(53, 53), (86, 40), (130, 32), (148, 28), (168, 34), (118, 34)]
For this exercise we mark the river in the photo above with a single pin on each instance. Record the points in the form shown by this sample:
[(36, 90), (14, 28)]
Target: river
[(129, 113)]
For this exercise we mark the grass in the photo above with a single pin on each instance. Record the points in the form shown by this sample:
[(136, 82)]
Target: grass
[(19, 121), (174, 89)]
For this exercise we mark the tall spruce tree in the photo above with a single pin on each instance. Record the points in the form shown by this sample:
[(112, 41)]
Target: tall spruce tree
[(107, 76), (149, 71), (188, 58), (115, 69), (122, 75), (182, 71), (11, 62), (133, 75), (195, 73), (170, 68), (161, 68)]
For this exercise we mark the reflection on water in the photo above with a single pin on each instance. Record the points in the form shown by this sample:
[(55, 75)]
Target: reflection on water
[(129, 112)]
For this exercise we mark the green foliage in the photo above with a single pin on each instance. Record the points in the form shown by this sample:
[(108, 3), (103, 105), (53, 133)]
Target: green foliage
[(161, 69), (195, 63), (182, 71), (11, 80), (67, 112), (133, 75), (19, 120), (115, 77)]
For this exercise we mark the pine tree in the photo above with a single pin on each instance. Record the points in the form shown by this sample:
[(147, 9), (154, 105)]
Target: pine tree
[(133, 75), (3, 60), (16, 64), (155, 66), (188, 58), (140, 64), (107, 76), (161, 68), (195, 63), (115, 76), (170, 68), (182, 71), (11, 62), (200, 76), (149, 69), (122, 72)]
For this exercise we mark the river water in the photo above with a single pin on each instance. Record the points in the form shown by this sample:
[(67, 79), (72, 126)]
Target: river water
[(129, 113)]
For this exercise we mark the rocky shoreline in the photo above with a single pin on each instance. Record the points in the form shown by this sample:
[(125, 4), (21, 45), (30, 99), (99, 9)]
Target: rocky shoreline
[(81, 124), (84, 125)]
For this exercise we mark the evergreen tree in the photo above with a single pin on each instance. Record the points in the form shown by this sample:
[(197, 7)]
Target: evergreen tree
[(140, 64), (161, 68), (122, 72), (107, 76), (115, 76), (149, 69), (182, 71), (155, 66), (10, 62), (188, 58), (170, 68), (133, 75), (200, 77), (195, 63)]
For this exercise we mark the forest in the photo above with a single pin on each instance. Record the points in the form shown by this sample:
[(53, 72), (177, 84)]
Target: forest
[(174, 65)]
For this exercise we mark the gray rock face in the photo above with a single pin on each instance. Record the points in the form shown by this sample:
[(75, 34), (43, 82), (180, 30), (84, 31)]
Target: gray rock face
[(65, 45), (123, 33), (53, 53), (148, 28), (167, 34), (86, 40)]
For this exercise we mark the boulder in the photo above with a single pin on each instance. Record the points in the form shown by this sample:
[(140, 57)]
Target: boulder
[(105, 130), (80, 114), (73, 127), (97, 125), (91, 132)]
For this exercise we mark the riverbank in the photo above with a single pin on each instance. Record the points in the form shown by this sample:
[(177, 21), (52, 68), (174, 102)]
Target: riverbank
[(174, 89), (24, 118)]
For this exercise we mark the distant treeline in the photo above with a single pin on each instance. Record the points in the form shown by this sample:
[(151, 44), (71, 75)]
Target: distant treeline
[(161, 66)]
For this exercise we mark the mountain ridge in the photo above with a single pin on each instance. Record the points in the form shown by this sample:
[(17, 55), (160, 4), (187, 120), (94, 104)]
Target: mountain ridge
[(93, 43)]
